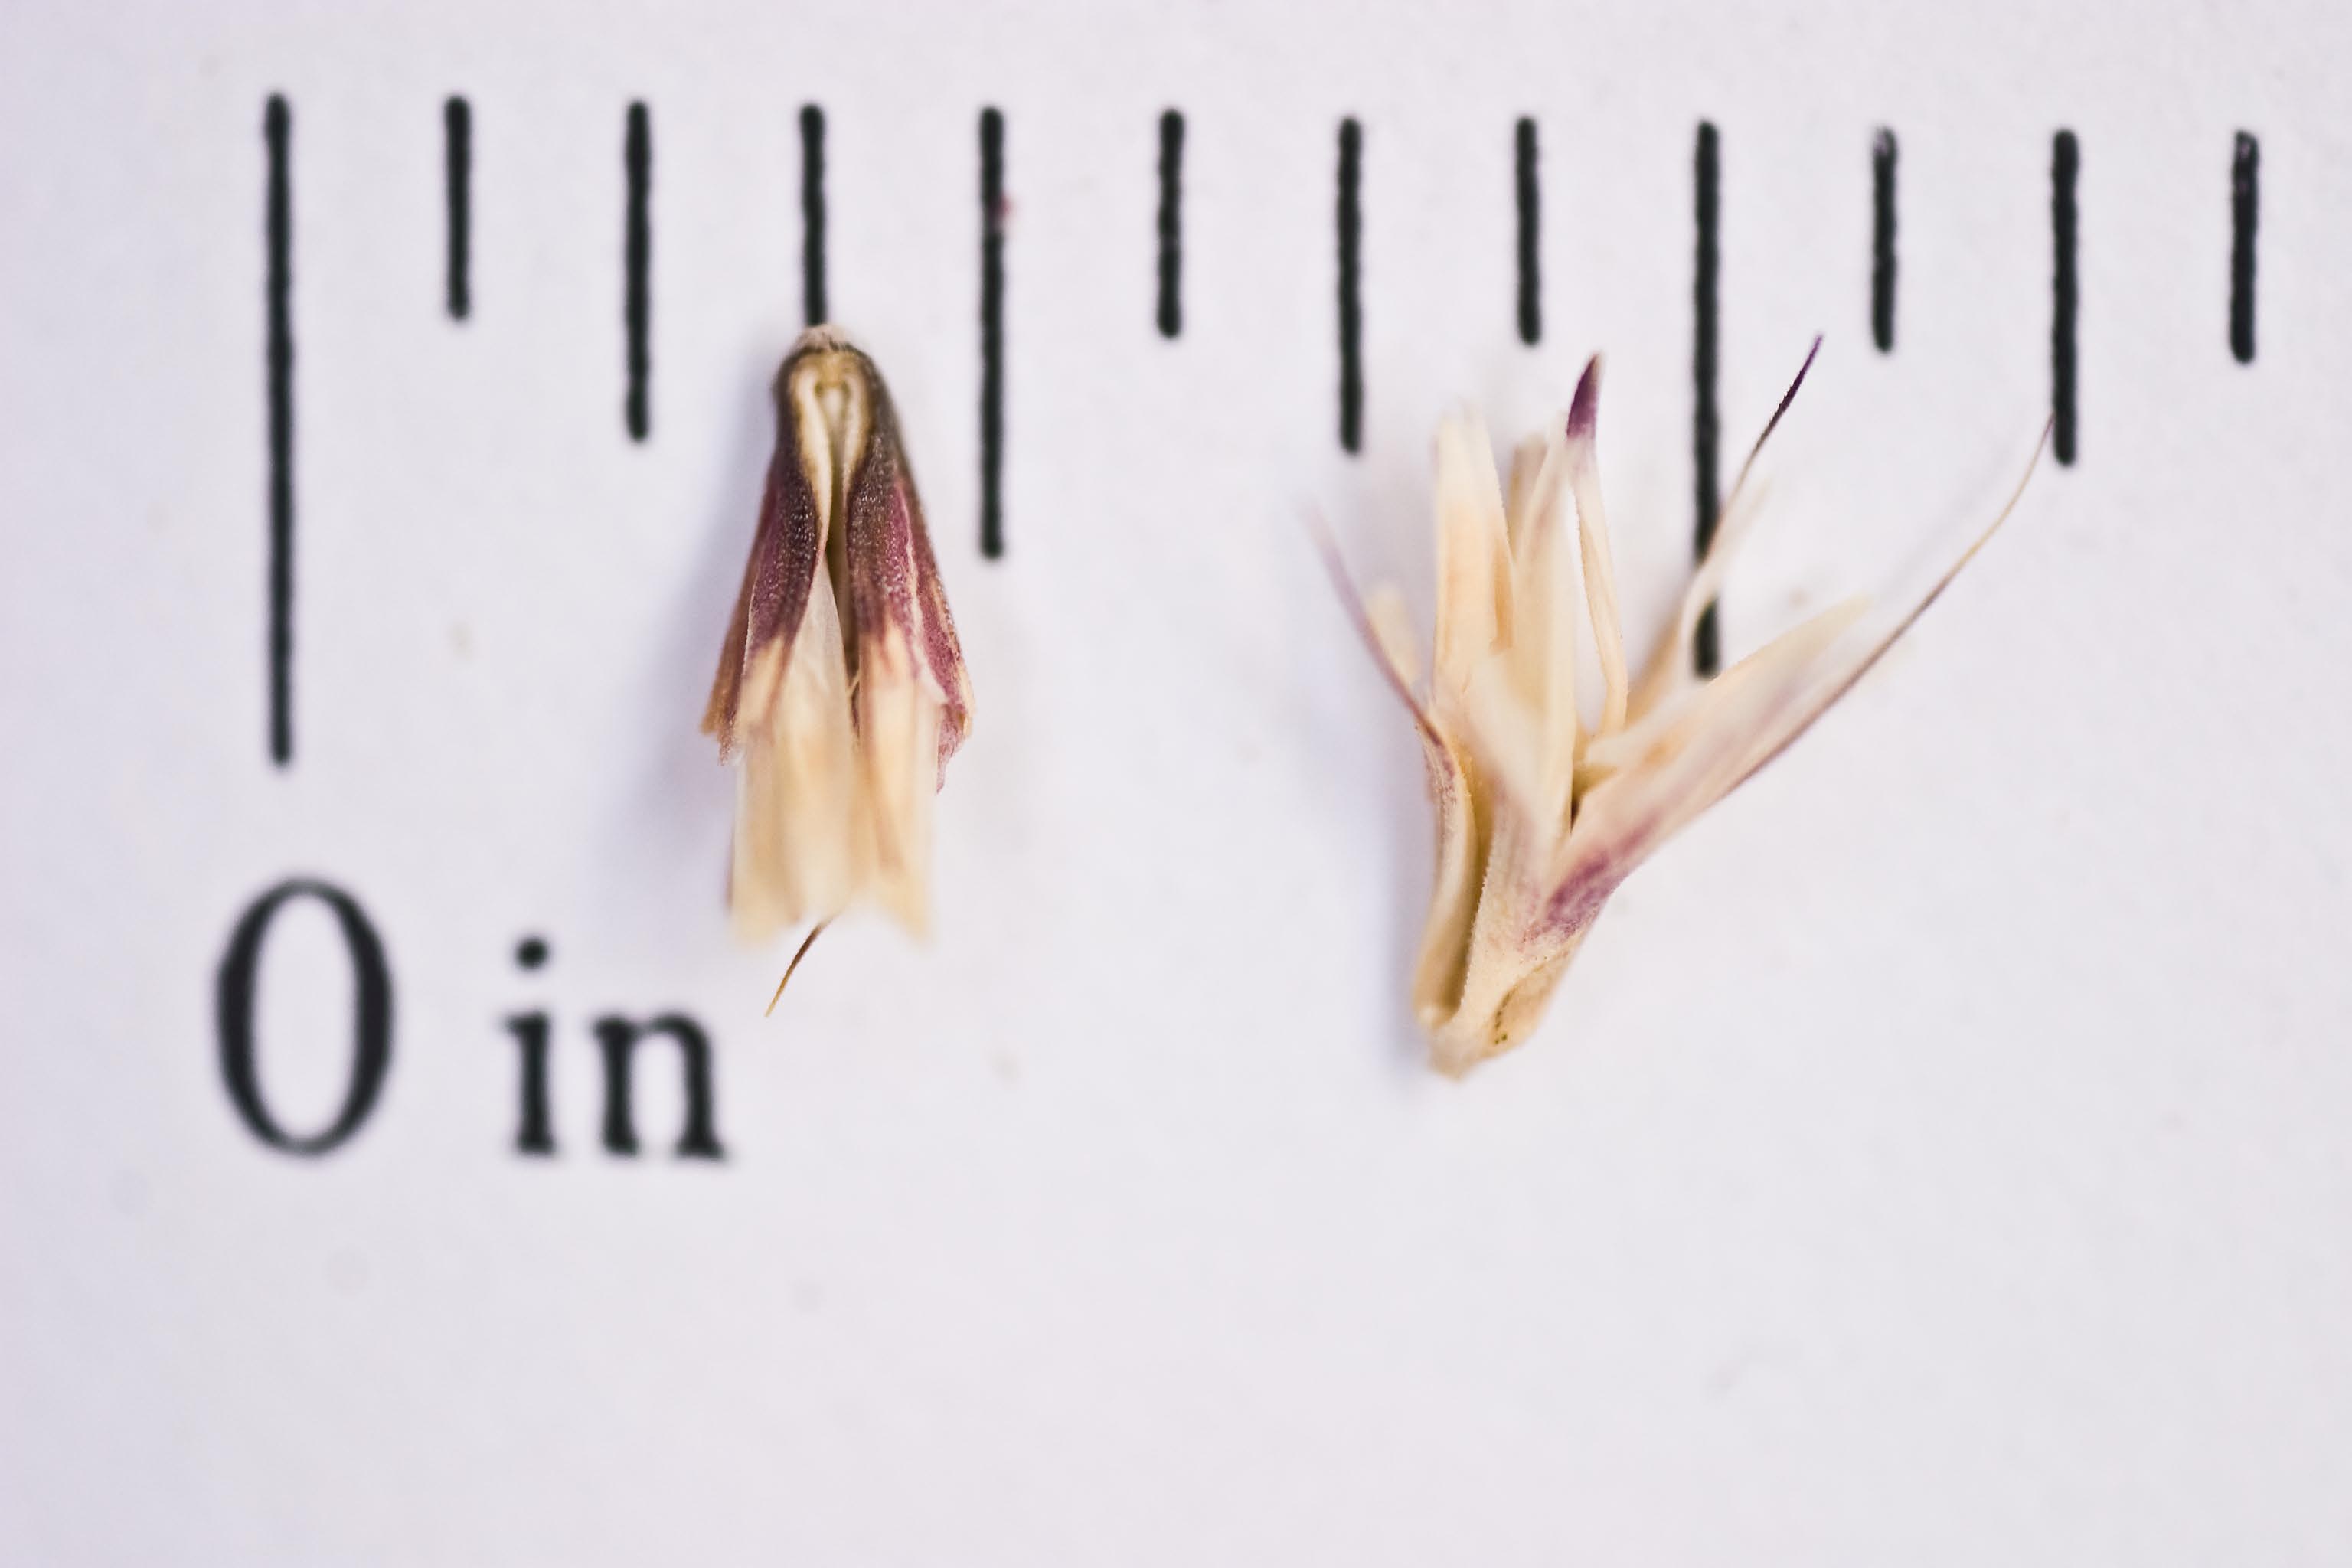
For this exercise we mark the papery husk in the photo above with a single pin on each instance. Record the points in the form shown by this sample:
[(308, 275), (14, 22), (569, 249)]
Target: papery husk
[(841, 692), (1539, 816)]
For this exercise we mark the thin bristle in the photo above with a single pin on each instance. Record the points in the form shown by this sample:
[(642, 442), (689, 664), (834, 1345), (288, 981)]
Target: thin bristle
[(1352, 602), (1774, 423), (809, 941), (1870, 661)]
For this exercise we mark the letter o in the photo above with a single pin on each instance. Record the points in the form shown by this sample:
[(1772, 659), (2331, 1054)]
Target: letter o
[(370, 1023)]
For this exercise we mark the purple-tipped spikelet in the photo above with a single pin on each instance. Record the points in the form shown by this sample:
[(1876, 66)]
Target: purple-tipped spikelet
[(841, 692), (1540, 816)]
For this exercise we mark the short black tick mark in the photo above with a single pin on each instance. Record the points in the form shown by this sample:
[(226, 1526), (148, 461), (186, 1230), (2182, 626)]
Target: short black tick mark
[(1352, 303), (457, 161), (813, 300), (1531, 233), (637, 159), (278, 133), (2245, 211), (2065, 163), (1707, 654), (1882, 242), (991, 333), (1172, 224)]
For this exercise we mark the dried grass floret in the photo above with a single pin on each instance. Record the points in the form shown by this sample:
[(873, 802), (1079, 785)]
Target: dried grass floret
[(841, 690), (1541, 817)]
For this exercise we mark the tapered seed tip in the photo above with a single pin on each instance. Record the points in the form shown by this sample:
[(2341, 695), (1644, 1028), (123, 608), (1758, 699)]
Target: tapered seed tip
[(1584, 412), (824, 335)]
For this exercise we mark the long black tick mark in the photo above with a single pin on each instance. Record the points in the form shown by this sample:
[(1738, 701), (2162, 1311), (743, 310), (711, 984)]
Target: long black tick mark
[(457, 161), (637, 159), (1530, 233), (2065, 163), (1351, 303), (1882, 242), (2245, 204), (813, 305), (277, 132), (991, 333), (1706, 652), (1172, 223)]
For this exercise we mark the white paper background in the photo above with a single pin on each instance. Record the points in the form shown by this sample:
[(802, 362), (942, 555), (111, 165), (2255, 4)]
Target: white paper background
[(1937, 1156)]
